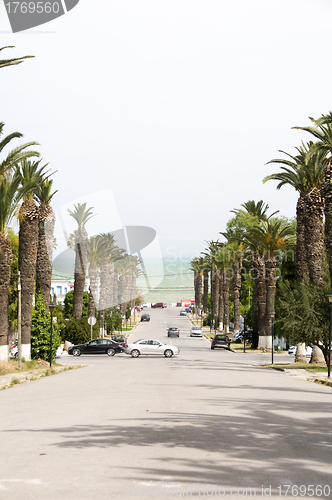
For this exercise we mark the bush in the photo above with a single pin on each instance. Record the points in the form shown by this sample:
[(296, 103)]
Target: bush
[(41, 331), (78, 331)]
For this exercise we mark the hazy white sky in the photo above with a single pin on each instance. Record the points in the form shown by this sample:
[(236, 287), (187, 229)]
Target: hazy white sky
[(174, 107)]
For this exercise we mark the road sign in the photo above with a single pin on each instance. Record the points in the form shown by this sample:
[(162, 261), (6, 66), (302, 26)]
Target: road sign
[(92, 320)]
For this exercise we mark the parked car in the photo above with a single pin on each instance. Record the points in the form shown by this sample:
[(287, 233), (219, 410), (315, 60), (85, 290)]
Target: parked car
[(173, 331), (145, 305), (145, 317), (119, 339), (292, 350), (150, 347), (14, 351), (183, 312), (96, 346), (159, 304), (196, 331), (188, 310), (222, 341)]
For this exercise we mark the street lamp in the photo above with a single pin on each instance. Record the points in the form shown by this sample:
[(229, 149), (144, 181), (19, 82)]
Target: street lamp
[(244, 331), (51, 307), (329, 357), (272, 319)]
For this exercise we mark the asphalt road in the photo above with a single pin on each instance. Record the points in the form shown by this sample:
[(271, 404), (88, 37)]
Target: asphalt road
[(202, 424)]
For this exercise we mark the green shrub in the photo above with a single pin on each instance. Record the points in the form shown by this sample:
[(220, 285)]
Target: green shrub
[(78, 331), (41, 331)]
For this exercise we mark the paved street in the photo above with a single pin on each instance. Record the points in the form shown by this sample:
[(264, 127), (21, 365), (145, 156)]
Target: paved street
[(204, 422)]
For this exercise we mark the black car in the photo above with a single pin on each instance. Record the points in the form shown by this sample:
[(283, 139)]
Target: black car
[(145, 317), (119, 339), (173, 331), (96, 346), (222, 341)]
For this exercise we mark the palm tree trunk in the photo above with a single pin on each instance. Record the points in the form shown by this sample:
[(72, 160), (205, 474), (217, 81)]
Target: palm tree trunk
[(205, 290), (236, 284), (314, 235), (226, 300), (221, 311), (28, 245), (216, 296), (260, 290), (301, 262), (327, 193), (6, 257), (81, 258), (45, 252), (198, 304), (270, 277)]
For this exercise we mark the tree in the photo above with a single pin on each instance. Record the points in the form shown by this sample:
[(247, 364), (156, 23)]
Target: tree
[(81, 214), (11, 62), (305, 172), (10, 195), (41, 331), (267, 241), (15, 156), (46, 223), (304, 314), (31, 176)]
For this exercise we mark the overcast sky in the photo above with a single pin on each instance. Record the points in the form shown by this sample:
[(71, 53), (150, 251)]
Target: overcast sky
[(174, 107)]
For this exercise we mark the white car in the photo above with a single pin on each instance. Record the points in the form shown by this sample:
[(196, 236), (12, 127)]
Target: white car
[(150, 347), (292, 350), (196, 331)]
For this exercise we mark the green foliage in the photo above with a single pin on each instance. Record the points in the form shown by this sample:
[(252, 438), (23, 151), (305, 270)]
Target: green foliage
[(41, 331), (68, 304), (113, 319), (304, 312), (78, 331)]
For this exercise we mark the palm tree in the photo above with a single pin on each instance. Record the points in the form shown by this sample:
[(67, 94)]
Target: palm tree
[(16, 155), (10, 196), (95, 254), (196, 265), (11, 62), (46, 225), (304, 172), (322, 131), (212, 260), (31, 174), (81, 214), (267, 241)]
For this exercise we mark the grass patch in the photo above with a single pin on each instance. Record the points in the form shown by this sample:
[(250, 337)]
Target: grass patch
[(302, 366)]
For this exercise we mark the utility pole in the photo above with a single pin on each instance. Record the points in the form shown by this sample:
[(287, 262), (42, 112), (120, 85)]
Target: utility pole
[(19, 307)]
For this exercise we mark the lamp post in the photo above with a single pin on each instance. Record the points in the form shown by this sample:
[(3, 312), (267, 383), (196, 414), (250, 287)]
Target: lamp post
[(51, 307), (244, 331), (329, 356), (272, 319)]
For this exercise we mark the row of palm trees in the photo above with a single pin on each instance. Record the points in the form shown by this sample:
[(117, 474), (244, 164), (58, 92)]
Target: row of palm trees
[(253, 250), (309, 172), (111, 272)]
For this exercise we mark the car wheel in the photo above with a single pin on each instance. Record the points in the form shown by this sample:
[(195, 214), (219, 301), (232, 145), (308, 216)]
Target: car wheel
[(135, 353), (76, 352), (16, 355), (110, 352), (212, 348), (168, 353)]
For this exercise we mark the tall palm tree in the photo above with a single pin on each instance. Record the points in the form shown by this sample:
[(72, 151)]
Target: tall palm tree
[(10, 195), (196, 265), (305, 173), (95, 254), (322, 131), (46, 223), (212, 259), (81, 214), (11, 62), (31, 174)]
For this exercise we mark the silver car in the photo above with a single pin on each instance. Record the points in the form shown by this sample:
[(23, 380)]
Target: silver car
[(150, 347), (196, 331)]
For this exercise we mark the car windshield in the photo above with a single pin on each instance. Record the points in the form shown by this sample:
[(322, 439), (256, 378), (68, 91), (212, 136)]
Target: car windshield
[(221, 337)]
